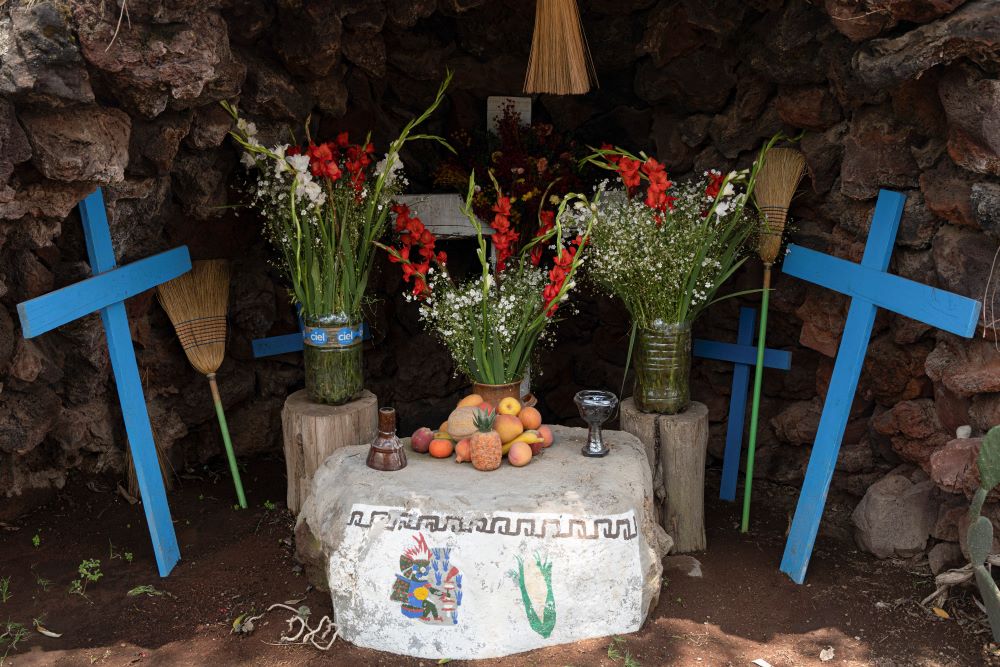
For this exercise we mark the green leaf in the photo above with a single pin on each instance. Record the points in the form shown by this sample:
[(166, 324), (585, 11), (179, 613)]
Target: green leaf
[(989, 459)]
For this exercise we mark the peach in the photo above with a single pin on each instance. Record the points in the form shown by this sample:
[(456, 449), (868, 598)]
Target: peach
[(441, 448), (443, 426), (463, 450), (546, 434), (530, 418), (509, 406), (508, 426), (520, 454), (470, 401), (420, 441)]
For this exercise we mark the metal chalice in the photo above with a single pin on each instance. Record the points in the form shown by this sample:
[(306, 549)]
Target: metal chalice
[(596, 407)]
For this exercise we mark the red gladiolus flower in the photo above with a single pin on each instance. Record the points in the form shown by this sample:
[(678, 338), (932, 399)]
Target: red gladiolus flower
[(628, 169), (502, 207), (547, 223), (504, 238), (413, 234), (342, 140), (715, 180)]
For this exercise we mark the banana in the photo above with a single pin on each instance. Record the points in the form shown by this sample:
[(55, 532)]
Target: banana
[(528, 437)]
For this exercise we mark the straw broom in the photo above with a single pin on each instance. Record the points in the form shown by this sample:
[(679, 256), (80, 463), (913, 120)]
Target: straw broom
[(777, 180), (560, 61), (131, 481), (196, 304)]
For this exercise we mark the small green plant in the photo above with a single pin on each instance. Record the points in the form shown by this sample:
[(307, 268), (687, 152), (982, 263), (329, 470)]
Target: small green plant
[(36, 540), (5, 593), (146, 589), (90, 572), (129, 557), (269, 506), (980, 535), (43, 583), (618, 650), (10, 635)]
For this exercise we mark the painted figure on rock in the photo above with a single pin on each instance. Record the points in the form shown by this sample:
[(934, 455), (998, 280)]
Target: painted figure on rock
[(428, 586)]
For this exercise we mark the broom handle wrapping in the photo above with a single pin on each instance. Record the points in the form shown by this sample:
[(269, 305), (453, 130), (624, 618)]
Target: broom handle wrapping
[(758, 378), (230, 454)]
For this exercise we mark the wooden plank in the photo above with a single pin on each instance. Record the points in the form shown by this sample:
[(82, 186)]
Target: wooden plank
[(97, 232), (494, 110), (869, 288), (442, 214), (130, 394), (737, 409), (106, 293), (832, 424), (72, 302), (953, 313), (140, 436), (741, 354), (275, 345)]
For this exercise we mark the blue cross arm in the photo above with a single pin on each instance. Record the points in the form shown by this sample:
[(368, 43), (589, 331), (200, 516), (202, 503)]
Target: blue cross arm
[(269, 347), (741, 354), (55, 309), (944, 310)]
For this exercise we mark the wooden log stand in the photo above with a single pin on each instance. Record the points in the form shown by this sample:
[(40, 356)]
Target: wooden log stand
[(313, 431), (676, 446)]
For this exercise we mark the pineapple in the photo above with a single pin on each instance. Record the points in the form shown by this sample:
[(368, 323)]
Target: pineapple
[(486, 448)]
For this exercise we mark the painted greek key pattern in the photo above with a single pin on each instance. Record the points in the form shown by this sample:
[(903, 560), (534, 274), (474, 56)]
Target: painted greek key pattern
[(619, 527)]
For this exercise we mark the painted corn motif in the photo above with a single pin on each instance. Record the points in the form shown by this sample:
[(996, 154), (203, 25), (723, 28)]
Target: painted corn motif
[(428, 587), (535, 582)]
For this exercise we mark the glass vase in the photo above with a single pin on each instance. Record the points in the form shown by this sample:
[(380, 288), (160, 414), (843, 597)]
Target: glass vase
[(662, 363), (332, 357)]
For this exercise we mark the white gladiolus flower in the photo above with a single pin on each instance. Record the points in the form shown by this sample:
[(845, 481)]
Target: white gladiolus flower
[(299, 163)]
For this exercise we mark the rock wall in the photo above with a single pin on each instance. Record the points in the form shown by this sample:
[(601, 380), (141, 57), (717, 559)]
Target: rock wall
[(902, 94)]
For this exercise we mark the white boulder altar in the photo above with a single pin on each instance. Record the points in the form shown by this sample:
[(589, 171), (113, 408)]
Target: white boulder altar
[(439, 560)]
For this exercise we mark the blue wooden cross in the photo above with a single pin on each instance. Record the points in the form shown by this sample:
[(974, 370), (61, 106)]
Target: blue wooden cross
[(870, 288), (744, 355), (275, 345), (106, 291)]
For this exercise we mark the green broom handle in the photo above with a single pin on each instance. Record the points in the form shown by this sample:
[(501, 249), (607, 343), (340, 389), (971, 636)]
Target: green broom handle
[(225, 438), (758, 378)]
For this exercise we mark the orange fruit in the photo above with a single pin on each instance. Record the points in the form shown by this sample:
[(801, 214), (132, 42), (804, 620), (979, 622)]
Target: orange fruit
[(530, 418), (441, 448)]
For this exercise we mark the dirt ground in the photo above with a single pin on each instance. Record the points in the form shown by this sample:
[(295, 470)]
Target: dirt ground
[(238, 562)]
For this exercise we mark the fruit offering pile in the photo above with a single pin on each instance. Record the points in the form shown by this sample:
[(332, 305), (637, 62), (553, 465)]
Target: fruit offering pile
[(483, 434)]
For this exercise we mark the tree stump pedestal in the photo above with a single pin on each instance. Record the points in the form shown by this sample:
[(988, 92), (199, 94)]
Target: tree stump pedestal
[(313, 431), (676, 446)]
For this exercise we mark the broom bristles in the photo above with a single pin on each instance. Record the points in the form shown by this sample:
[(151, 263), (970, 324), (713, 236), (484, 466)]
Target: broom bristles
[(777, 180), (560, 61), (165, 472), (196, 304)]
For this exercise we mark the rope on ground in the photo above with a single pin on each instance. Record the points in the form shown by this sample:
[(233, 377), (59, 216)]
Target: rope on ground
[(300, 633)]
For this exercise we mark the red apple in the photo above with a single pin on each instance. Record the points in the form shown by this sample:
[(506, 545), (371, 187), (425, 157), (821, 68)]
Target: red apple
[(420, 441)]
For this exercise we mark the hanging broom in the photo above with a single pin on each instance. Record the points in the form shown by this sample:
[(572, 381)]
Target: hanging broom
[(196, 303), (777, 179), (560, 61)]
